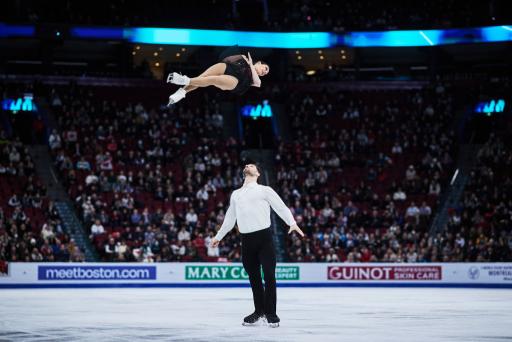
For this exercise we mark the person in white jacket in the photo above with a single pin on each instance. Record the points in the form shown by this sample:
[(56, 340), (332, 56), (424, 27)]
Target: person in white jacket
[(249, 208)]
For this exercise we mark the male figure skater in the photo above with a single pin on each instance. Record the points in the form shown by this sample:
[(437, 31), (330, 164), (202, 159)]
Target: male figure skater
[(250, 207)]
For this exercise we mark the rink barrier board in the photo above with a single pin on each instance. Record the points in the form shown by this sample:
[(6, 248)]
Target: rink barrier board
[(210, 275), (247, 285)]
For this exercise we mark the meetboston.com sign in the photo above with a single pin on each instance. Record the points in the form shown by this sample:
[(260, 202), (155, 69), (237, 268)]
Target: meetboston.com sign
[(232, 272), (79, 272)]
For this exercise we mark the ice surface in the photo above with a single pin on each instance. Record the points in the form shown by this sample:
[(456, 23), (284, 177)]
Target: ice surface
[(307, 314)]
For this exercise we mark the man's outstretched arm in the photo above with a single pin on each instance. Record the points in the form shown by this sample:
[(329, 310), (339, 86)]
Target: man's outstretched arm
[(227, 225), (277, 204)]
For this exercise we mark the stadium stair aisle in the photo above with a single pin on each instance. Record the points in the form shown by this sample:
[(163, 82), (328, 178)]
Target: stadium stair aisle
[(467, 159), (75, 230), (56, 193)]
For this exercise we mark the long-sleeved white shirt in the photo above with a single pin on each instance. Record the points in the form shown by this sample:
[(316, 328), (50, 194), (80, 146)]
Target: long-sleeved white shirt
[(249, 207)]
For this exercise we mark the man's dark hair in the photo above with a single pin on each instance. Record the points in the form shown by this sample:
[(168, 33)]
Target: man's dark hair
[(258, 167)]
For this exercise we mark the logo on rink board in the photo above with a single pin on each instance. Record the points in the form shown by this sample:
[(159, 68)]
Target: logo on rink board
[(473, 273), (96, 272), (235, 273), (494, 272), (384, 273)]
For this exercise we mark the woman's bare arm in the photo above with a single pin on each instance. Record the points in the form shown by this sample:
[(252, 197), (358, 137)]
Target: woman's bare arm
[(256, 82)]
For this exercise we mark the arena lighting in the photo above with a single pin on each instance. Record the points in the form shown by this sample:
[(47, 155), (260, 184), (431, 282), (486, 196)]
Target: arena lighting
[(174, 36), (285, 40), (98, 33), (454, 176), (319, 39), (428, 37), (263, 110), (24, 104), (16, 30), (296, 40), (490, 107)]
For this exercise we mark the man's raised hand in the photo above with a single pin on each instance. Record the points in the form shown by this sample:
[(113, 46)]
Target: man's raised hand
[(297, 229)]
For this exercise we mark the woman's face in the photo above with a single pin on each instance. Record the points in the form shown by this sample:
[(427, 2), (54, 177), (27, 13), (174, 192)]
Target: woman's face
[(261, 69)]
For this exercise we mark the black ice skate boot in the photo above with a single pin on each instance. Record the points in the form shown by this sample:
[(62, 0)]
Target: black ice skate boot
[(252, 319), (272, 320)]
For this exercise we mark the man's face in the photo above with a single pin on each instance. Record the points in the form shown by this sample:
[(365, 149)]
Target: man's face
[(251, 170)]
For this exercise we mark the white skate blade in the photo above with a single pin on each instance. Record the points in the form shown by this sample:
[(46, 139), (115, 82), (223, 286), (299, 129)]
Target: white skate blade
[(273, 325), (171, 102), (175, 98), (169, 78), (245, 324), (260, 321)]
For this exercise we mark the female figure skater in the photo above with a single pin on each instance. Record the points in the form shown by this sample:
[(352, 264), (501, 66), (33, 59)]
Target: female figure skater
[(235, 73)]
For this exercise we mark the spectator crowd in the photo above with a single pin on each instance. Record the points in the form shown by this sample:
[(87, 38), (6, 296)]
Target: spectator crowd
[(288, 15), (363, 174), (150, 184), (30, 226)]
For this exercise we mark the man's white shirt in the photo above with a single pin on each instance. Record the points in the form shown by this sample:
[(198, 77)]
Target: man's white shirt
[(249, 208)]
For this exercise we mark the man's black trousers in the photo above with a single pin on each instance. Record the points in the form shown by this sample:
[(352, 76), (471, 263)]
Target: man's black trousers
[(258, 250)]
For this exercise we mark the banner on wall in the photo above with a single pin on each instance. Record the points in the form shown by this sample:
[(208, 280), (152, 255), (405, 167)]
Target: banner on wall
[(391, 273), (111, 273), (233, 274), (493, 272)]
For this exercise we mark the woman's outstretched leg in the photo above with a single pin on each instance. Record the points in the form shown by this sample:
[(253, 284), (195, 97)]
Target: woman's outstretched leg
[(214, 75), (214, 70), (223, 82)]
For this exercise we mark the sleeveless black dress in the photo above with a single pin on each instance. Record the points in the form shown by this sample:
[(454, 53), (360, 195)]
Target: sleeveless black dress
[(237, 67)]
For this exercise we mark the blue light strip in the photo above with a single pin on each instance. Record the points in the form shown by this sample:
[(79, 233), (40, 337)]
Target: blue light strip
[(16, 30), (284, 40), (97, 32), (293, 40), (428, 37), (305, 40)]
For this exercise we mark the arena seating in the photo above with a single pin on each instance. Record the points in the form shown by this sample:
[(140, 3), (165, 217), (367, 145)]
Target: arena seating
[(479, 228), (288, 15), (30, 227), (364, 172), (146, 173)]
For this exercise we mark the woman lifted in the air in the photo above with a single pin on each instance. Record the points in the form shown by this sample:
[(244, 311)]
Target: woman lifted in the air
[(234, 73)]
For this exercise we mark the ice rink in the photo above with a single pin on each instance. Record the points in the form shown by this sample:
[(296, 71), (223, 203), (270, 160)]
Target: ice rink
[(215, 314)]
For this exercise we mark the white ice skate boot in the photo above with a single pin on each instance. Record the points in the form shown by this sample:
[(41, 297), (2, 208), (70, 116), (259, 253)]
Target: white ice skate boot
[(178, 79), (177, 96)]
